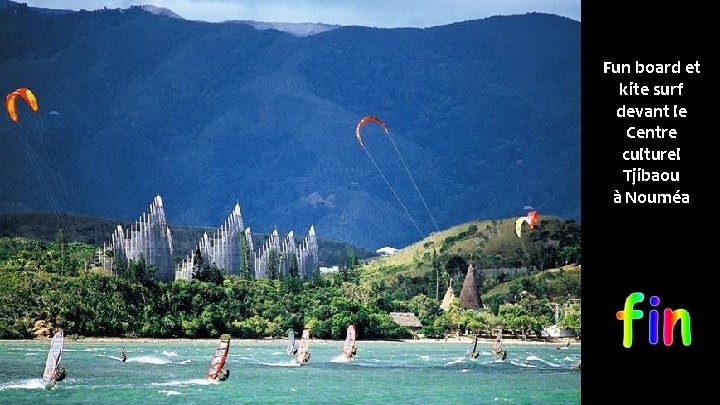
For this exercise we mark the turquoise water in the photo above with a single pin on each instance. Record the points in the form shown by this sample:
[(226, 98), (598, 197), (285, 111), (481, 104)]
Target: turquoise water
[(382, 372)]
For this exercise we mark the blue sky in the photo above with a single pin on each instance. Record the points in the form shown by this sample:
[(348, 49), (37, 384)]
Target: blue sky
[(373, 13)]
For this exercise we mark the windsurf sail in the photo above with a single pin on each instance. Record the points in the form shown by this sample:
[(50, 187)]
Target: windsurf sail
[(218, 361), (291, 350), (303, 352), (54, 356), (497, 346), (472, 350), (349, 348)]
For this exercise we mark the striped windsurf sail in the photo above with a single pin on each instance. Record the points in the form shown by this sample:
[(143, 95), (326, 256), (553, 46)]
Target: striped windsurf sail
[(218, 361), (54, 356), (472, 349)]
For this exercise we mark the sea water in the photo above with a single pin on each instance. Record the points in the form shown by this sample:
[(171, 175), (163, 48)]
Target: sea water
[(173, 372)]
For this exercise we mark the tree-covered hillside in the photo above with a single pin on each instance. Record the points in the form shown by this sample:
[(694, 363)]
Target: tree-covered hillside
[(58, 284)]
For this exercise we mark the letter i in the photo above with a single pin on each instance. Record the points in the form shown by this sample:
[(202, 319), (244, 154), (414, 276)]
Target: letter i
[(654, 320)]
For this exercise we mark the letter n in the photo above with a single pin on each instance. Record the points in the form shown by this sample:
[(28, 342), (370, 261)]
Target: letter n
[(671, 317)]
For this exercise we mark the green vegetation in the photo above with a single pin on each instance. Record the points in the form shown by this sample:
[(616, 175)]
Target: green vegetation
[(59, 283)]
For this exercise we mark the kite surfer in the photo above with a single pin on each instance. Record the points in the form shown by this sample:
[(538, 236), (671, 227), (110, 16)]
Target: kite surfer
[(123, 355)]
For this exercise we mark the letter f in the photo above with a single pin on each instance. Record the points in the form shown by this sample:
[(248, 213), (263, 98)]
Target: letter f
[(628, 314)]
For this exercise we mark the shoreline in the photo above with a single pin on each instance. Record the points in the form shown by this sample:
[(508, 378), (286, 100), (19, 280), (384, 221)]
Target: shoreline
[(464, 340)]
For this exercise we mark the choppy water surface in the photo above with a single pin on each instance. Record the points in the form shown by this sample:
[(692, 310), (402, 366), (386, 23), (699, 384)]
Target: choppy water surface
[(261, 372)]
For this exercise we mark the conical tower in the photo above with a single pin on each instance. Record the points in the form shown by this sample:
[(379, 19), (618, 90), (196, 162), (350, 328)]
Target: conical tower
[(468, 295)]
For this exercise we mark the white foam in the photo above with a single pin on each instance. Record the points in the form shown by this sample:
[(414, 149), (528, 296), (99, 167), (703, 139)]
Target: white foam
[(456, 361), (341, 359), (170, 392), (536, 358), (34, 384), (290, 363), (195, 381), (170, 354), (148, 360), (521, 364)]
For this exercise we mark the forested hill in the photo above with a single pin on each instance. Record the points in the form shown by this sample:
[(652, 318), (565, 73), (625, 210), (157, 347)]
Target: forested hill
[(55, 284), (484, 113)]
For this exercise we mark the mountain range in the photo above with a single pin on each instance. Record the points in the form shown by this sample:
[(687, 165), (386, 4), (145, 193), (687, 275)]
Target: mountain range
[(483, 119)]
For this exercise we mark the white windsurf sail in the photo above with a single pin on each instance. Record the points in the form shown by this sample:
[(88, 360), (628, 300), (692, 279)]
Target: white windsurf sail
[(291, 343), (54, 356), (303, 353), (497, 346), (349, 348)]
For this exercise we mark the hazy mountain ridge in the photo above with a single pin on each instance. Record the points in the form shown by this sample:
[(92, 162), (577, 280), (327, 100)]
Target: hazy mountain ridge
[(485, 114), (296, 29)]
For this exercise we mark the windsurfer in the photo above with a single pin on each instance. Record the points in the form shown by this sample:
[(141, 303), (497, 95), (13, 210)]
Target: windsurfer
[(349, 348), (292, 347), (216, 370), (497, 348), (504, 356), (472, 352), (123, 355), (60, 374)]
